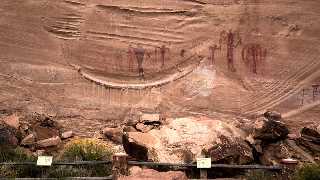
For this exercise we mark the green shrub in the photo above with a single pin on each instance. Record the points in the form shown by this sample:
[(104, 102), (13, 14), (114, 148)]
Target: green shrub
[(87, 150), (308, 172), (76, 150), (14, 171), (260, 175)]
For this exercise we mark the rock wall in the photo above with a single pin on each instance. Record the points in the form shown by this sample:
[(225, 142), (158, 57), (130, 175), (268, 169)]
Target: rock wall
[(242, 57)]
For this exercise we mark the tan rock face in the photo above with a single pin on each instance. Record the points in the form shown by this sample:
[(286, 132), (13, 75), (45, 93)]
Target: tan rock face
[(235, 58), (184, 139)]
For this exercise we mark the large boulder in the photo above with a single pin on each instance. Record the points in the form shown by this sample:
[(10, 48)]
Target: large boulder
[(275, 152), (113, 134), (230, 151), (184, 139), (310, 140), (148, 174), (270, 130)]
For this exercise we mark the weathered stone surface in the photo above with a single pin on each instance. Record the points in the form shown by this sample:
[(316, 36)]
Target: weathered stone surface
[(145, 117), (148, 174), (272, 115), (28, 140), (136, 144), (54, 141), (134, 170), (67, 134), (184, 139), (114, 134), (230, 151), (143, 128), (129, 129), (12, 121), (269, 130), (311, 134), (293, 136), (310, 140), (274, 153)]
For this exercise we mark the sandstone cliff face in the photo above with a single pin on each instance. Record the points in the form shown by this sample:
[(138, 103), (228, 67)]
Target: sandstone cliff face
[(79, 59)]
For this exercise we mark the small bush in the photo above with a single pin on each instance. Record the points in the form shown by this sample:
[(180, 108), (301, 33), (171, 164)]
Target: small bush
[(260, 175), (76, 150), (17, 155), (87, 150), (308, 172)]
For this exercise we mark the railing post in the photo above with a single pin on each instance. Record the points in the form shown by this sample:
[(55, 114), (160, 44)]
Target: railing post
[(203, 171), (119, 165), (289, 167)]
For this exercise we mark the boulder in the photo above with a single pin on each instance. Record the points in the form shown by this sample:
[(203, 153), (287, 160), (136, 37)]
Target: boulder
[(114, 134), (67, 134), (310, 140), (42, 132), (136, 145), (230, 151), (134, 170), (7, 136), (293, 136), (272, 115), (54, 141), (275, 152), (311, 134), (148, 174), (143, 128), (12, 121), (150, 118), (184, 139), (129, 129), (269, 130), (28, 140)]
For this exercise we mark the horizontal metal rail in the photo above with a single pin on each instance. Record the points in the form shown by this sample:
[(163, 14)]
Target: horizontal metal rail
[(212, 166), (137, 163), (67, 178), (59, 163)]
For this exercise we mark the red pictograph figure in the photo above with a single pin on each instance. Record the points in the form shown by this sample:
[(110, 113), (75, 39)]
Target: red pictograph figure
[(139, 53), (182, 52), (253, 55), (212, 50), (316, 91), (130, 55), (232, 40), (163, 50)]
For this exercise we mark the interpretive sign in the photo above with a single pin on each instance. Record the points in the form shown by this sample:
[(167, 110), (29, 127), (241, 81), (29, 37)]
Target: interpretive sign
[(203, 163), (44, 161)]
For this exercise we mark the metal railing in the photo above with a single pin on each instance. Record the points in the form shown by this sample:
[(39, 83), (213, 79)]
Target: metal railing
[(120, 165)]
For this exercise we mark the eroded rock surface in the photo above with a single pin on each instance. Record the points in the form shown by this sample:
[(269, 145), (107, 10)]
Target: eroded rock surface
[(184, 139)]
